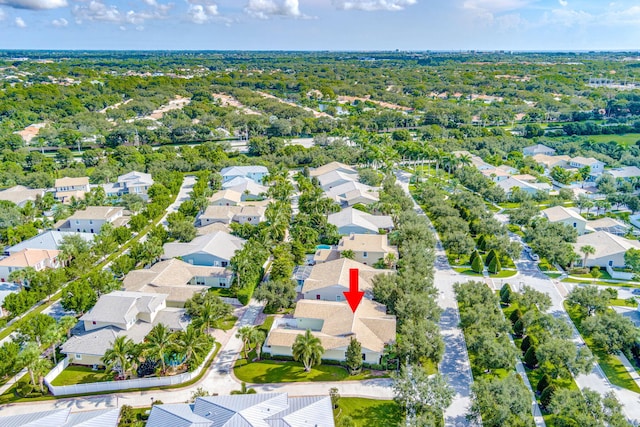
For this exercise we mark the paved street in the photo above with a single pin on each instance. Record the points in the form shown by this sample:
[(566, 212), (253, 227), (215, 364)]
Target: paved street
[(455, 362)]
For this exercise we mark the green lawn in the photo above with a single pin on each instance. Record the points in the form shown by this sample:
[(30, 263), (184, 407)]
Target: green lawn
[(610, 364), (223, 292), (552, 275), (369, 412), (625, 140), (81, 375), (467, 271), (623, 303), (226, 323), (275, 371), (504, 273)]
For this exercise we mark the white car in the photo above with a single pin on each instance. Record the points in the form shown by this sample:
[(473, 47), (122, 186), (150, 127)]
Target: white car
[(534, 257)]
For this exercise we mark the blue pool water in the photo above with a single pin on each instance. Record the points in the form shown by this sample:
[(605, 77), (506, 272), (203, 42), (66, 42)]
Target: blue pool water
[(323, 247)]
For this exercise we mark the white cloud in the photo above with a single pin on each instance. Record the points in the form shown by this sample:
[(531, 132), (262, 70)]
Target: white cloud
[(563, 3), (265, 9), (373, 5), (95, 10), (2, 15), (34, 4), (495, 6), (60, 22), (202, 13), (20, 23)]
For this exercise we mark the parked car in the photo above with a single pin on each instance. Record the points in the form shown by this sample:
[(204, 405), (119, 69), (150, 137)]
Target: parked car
[(534, 257), (636, 292)]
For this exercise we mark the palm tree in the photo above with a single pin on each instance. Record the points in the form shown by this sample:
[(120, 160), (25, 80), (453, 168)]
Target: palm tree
[(244, 389), (52, 337), (587, 250), (40, 368), (257, 339), (158, 344), (28, 358), (245, 333), (464, 160), (22, 276), (192, 343), (308, 349), (348, 253), (119, 358), (66, 323)]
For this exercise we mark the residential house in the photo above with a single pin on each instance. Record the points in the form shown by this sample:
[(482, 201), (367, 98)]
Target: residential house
[(566, 216), (246, 410), (550, 162), (530, 188), (333, 166), (626, 173), (335, 178), (496, 175), (350, 220), (334, 323), (132, 314), (214, 250), (480, 164), (92, 218), (63, 418), (68, 188), (130, 183), (352, 193), (533, 150), (248, 188), (20, 195), (368, 248), (525, 177), (177, 279), (329, 280), (610, 225), (50, 240), (609, 249), (38, 259), (227, 214), (255, 173), (225, 198), (596, 167)]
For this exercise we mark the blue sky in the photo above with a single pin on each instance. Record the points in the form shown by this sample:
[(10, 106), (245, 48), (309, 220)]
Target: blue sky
[(320, 24)]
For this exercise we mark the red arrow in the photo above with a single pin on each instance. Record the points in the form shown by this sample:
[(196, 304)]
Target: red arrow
[(354, 296)]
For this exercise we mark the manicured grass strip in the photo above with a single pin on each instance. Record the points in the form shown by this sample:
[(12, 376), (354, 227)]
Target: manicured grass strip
[(81, 375), (610, 364), (623, 303), (226, 323), (369, 412), (276, 371)]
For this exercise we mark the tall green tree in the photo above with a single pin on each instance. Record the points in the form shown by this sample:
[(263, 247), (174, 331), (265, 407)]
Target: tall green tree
[(307, 349)]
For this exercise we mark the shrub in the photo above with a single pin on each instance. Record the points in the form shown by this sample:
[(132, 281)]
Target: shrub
[(490, 257), (530, 357), (505, 297), (506, 287), (482, 243), (494, 265), (547, 395), (515, 316), (24, 389), (518, 328), (527, 342), (477, 265), (473, 257), (544, 382)]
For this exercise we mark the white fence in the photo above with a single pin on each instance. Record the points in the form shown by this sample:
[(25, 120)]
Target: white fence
[(111, 386), (619, 275)]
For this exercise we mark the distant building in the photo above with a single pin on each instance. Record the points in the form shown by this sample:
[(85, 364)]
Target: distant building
[(596, 167), (549, 162), (625, 173), (255, 173), (92, 218), (333, 166), (20, 195), (130, 183), (68, 188), (533, 150), (530, 188)]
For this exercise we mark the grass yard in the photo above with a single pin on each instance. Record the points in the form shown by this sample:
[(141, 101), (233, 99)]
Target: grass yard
[(467, 271), (504, 273), (223, 292), (623, 303), (81, 375), (369, 412), (552, 275), (275, 371), (610, 364), (625, 140), (226, 323)]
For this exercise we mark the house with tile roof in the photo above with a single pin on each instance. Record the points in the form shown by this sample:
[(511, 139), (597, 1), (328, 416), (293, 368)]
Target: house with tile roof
[(68, 188), (596, 167), (335, 178), (331, 167), (351, 193), (566, 216), (50, 240), (533, 150), (367, 248), (214, 250), (626, 173), (334, 323), (610, 249), (177, 279), (228, 214), (354, 221), (225, 198), (247, 410), (329, 280), (549, 162), (38, 259)]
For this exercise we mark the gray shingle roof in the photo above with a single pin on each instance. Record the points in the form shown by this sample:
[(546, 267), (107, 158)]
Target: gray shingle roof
[(48, 240), (220, 244)]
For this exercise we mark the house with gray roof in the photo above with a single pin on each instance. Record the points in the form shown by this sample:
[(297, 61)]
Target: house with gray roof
[(92, 218), (49, 240), (533, 150), (255, 173), (350, 220), (20, 195), (130, 183), (351, 193), (214, 250), (626, 173), (63, 418), (246, 410), (120, 313), (248, 188)]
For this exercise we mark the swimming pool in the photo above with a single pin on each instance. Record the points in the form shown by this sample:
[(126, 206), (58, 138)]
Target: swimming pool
[(323, 247)]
